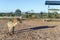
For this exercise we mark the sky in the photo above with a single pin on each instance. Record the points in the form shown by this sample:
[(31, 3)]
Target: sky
[(23, 5)]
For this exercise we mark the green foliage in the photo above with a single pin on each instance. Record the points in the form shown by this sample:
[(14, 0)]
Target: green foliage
[(41, 15), (31, 15), (18, 12)]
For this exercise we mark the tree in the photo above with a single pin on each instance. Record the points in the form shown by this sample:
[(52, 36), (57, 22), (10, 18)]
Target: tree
[(41, 14), (56, 14), (27, 15), (18, 12)]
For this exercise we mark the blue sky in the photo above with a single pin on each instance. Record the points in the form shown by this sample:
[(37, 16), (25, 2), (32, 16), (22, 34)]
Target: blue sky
[(23, 5)]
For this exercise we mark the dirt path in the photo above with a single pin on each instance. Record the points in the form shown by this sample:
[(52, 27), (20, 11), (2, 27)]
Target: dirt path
[(32, 30)]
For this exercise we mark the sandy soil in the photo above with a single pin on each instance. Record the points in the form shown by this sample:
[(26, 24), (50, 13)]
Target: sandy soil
[(35, 29)]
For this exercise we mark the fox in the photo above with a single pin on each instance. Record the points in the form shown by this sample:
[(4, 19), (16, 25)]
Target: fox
[(12, 24)]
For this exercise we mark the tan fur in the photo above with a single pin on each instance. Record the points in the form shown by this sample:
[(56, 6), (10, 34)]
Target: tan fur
[(12, 24)]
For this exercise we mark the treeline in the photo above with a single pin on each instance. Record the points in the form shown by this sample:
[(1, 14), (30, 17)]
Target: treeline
[(32, 15), (42, 15), (16, 13)]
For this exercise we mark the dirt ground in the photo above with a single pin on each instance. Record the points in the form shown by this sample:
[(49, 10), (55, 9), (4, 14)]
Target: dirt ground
[(31, 29)]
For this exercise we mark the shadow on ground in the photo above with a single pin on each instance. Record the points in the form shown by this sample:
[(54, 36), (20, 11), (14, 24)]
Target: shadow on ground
[(34, 28)]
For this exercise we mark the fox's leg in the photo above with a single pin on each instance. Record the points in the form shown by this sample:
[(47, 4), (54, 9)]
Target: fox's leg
[(13, 29), (10, 29)]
